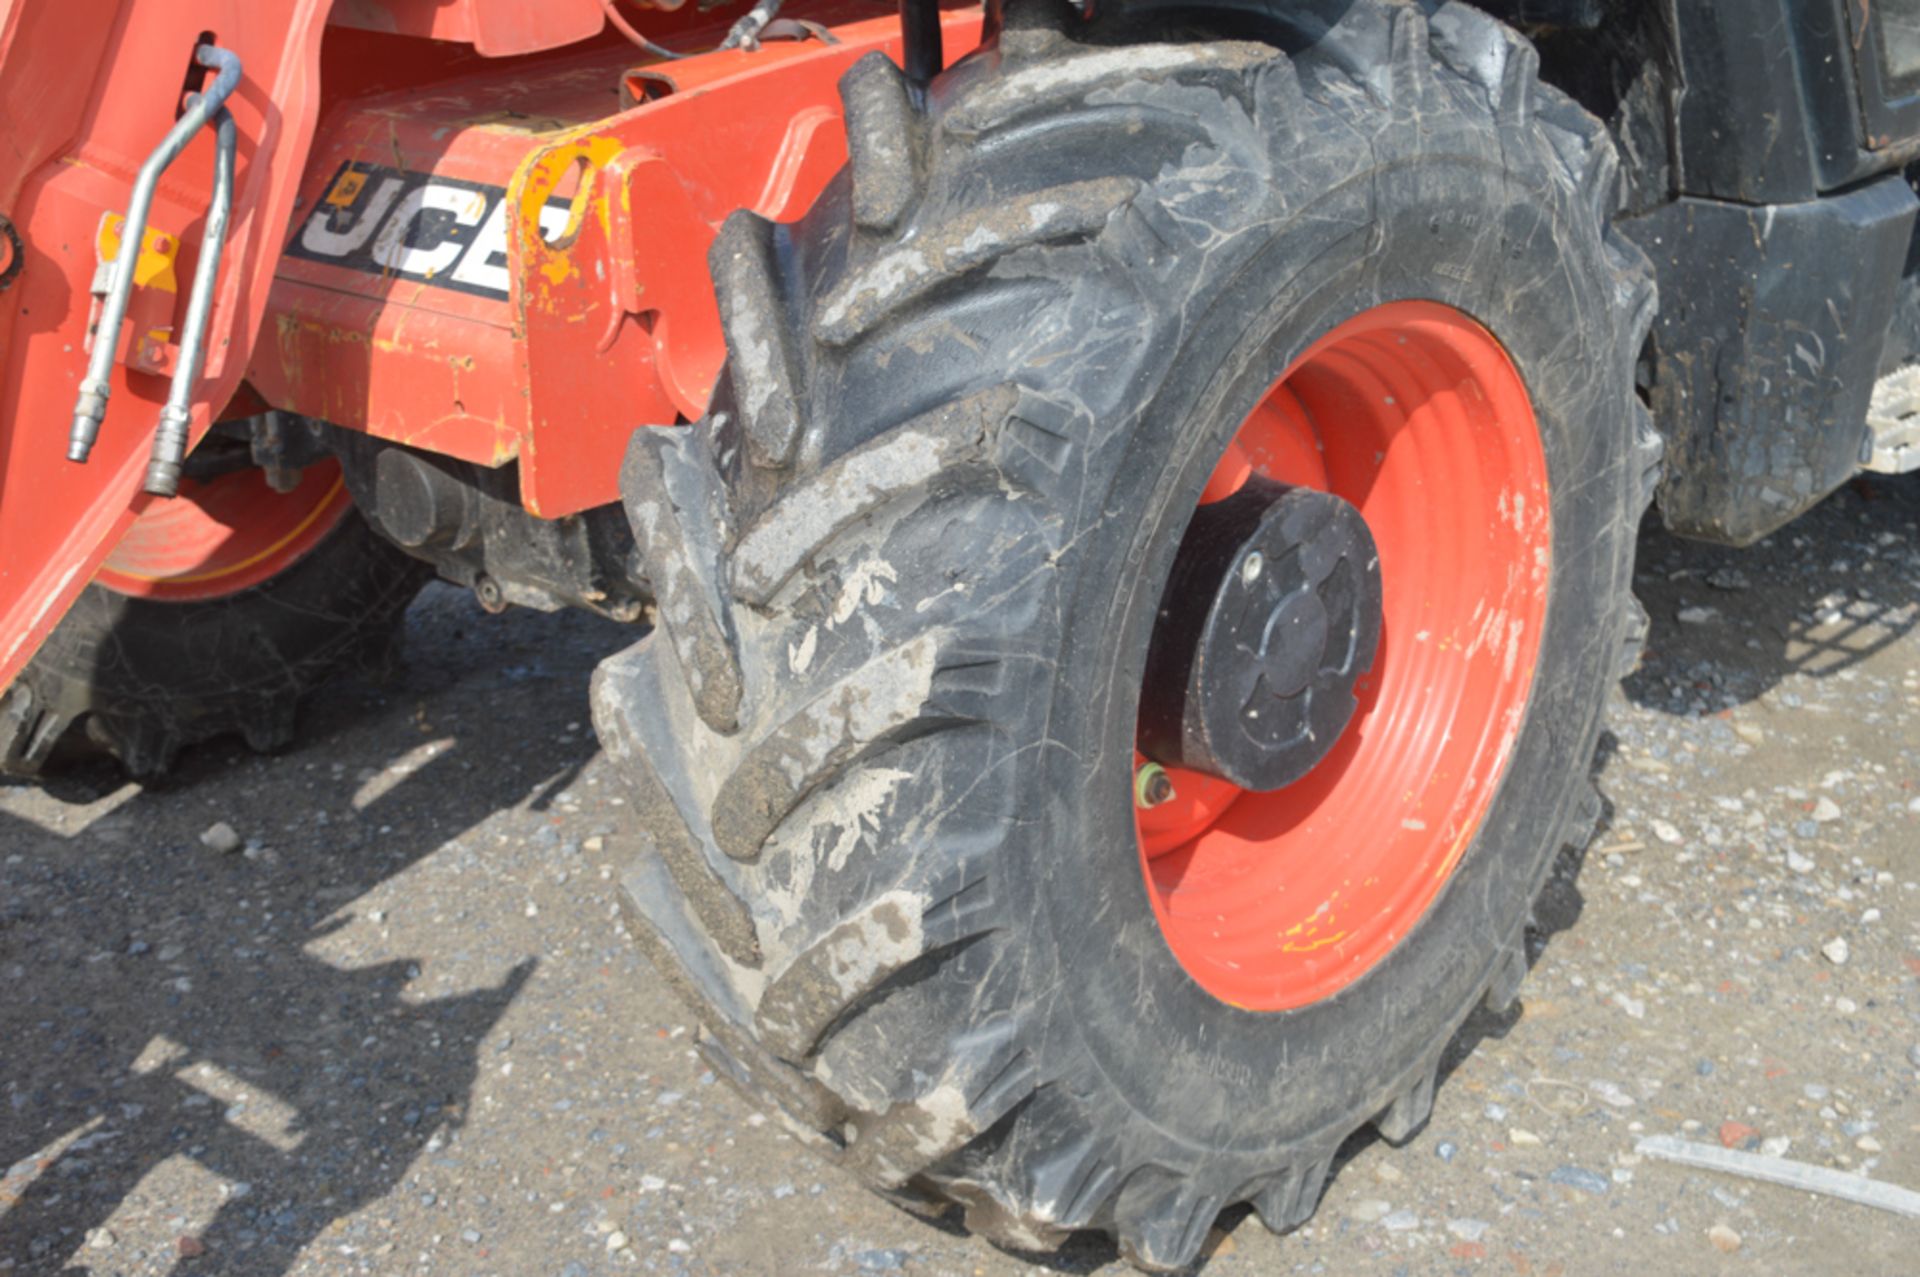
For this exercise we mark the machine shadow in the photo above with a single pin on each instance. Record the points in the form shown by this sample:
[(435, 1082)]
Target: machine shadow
[(146, 1019), (163, 1002), (1816, 598)]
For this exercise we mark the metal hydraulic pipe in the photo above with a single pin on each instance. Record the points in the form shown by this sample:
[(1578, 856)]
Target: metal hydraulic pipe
[(170, 442), (91, 407)]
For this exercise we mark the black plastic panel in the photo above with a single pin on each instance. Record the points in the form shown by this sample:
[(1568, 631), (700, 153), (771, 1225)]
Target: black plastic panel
[(1766, 348)]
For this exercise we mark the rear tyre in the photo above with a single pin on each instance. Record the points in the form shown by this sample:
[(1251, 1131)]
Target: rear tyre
[(910, 564), (215, 616)]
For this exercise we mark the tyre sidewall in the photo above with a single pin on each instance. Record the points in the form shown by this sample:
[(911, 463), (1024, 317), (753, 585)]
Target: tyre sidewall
[(1531, 267)]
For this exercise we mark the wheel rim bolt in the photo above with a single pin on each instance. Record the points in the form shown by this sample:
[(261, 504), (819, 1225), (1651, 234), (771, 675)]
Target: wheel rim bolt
[(1152, 786)]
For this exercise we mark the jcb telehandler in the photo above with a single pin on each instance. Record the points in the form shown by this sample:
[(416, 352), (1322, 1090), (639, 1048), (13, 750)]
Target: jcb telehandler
[(1134, 501)]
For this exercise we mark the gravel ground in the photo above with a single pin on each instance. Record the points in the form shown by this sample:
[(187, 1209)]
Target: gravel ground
[(399, 1029)]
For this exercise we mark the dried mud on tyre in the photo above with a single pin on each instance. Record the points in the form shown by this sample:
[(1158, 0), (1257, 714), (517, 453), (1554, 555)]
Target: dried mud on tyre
[(908, 567)]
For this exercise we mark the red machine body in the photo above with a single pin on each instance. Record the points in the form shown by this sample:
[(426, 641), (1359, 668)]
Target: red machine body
[(86, 91), (485, 238)]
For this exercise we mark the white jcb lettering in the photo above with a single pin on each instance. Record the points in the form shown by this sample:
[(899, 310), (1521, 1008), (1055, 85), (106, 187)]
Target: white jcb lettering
[(321, 238), (485, 263), (451, 235), (390, 247)]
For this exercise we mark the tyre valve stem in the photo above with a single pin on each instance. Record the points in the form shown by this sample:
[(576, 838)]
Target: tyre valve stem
[(1151, 785)]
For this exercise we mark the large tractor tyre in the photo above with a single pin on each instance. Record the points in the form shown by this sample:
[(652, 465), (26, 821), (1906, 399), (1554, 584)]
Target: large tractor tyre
[(1135, 620), (215, 614)]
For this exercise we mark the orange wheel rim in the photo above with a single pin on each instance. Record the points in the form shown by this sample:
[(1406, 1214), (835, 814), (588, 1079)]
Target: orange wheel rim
[(225, 535), (1413, 413)]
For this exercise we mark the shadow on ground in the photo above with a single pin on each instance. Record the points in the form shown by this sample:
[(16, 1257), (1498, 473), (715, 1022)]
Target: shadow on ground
[(1816, 598), (160, 1001)]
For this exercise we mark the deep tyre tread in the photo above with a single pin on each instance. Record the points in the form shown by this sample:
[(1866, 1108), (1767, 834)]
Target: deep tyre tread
[(1509, 972), (141, 679), (1287, 1200), (753, 314), (867, 580), (883, 135), (678, 533), (1401, 1120)]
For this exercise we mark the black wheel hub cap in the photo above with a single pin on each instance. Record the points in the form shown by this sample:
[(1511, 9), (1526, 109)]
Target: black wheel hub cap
[(1270, 617)]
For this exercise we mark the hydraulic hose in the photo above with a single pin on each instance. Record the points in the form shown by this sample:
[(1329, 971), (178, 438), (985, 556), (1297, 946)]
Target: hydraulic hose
[(91, 407)]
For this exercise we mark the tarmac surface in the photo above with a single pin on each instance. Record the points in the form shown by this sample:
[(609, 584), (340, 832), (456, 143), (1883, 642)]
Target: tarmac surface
[(401, 1030)]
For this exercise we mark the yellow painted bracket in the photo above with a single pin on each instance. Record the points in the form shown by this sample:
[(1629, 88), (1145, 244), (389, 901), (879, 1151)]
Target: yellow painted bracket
[(154, 267), (540, 175), (156, 288)]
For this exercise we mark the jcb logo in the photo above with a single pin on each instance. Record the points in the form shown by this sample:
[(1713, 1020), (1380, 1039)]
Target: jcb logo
[(437, 230)]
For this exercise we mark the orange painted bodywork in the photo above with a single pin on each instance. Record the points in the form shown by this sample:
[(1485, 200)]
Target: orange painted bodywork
[(86, 91), (612, 326), (495, 28), (608, 323)]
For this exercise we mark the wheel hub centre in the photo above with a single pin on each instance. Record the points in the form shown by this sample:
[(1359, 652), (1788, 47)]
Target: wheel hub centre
[(1270, 618)]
